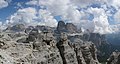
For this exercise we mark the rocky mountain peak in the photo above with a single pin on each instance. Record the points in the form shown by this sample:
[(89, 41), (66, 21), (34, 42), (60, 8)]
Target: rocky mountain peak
[(61, 27), (66, 27), (17, 27), (71, 28), (43, 45)]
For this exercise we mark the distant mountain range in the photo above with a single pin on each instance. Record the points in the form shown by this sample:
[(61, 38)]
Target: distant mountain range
[(113, 39)]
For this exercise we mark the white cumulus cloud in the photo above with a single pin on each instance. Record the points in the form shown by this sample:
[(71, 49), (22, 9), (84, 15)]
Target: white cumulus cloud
[(34, 2), (46, 18), (3, 3), (25, 16), (117, 16), (100, 23), (30, 16), (116, 3)]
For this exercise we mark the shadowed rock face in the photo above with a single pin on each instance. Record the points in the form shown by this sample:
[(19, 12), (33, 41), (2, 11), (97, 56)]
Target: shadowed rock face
[(33, 35), (104, 48), (45, 47), (17, 28), (114, 58), (68, 27), (77, 52), (71, 28), (61, 27)]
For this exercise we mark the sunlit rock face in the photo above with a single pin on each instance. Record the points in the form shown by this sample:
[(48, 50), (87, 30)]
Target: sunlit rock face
[(67, 52), (41, 45)]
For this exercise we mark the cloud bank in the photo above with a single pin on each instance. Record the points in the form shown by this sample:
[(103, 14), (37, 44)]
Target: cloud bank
[(30, 16), (86, 14)]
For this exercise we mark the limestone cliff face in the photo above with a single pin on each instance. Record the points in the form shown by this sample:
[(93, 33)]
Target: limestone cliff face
[(114, 58), (66, 50), (96, 38), (42, 46), (68, 27), (103, 47), (16, 28), (61, 27)]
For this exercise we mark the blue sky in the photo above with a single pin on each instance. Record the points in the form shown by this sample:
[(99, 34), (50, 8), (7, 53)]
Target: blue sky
[(11, 9)]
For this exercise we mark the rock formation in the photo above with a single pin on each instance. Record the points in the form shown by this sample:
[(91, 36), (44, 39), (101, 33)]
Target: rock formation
[(17, 27), (38, 45), (71, 28), (104, 48), (61, 27), (66, 50), (114, 58), (67, 27)]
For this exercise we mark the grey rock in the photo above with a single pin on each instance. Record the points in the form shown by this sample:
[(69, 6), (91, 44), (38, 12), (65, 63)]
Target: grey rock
[(103, 47), (17, 27), (114, 58), (46, 47), (89, 53), (61, 27), (71, 28), (66, 51), (33, 35), (1, 44), (28, 29), (67, 27), (46, 51), (79, 54)]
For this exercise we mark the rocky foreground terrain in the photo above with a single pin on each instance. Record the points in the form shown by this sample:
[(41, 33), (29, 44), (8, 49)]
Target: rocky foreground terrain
[(45, 45), (114, 58)]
